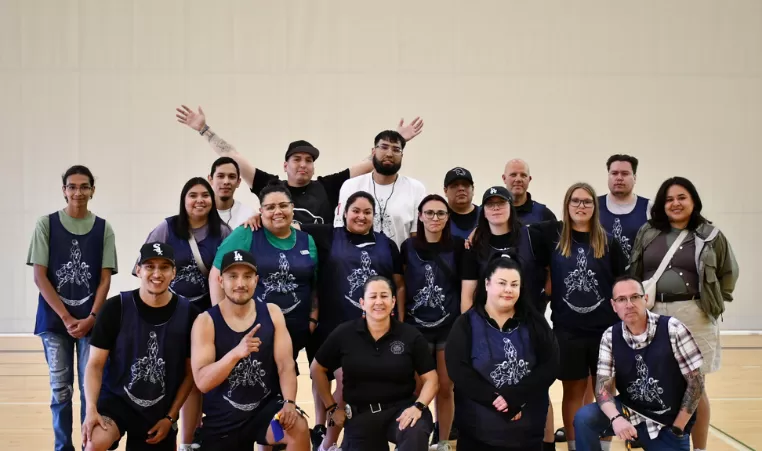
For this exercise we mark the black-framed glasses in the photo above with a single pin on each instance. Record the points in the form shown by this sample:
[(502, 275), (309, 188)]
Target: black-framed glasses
[(440, 214), (584, 203), (621, 300)]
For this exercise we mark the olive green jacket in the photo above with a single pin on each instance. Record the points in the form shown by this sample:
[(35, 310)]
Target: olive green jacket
[(717, 267)]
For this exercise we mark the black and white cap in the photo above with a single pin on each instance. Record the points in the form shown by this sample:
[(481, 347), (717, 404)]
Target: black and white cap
[(157, 250), (458, 174), (238, 257), (497, 191)]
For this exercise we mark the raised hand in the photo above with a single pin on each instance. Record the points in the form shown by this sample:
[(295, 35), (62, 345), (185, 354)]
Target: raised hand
[(410, 130), (192, 119), (249, 343)]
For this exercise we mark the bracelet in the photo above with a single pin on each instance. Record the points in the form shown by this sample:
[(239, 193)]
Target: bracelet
[(618, 416), (93, 314), (313, 320), (331, 407), (203, 129)]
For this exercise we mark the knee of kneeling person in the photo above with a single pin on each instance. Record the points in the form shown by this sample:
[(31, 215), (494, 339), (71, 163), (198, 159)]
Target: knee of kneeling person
[(300, 430), (586, 416)]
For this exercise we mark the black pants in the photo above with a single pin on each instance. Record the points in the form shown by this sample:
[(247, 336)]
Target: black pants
[(369, 431)]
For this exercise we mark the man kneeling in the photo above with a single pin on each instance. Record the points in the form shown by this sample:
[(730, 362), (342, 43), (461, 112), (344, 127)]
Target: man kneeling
[(657, 367), (142, 339), (243, 363)]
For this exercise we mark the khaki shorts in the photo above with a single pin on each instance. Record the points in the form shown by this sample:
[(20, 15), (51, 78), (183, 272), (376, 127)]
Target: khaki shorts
[(704, 329)]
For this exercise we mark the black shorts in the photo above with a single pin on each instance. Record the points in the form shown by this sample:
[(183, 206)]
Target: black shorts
[(579, 355), (130, 422), (244, 437), (437, 337)]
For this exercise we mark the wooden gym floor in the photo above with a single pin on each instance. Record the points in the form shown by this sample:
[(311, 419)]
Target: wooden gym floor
[(25, 424)]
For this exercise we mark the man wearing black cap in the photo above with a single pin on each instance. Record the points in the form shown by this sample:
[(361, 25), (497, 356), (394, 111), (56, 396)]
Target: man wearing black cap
[(139, 372), (314, 200), (243, 363), (459, 189)]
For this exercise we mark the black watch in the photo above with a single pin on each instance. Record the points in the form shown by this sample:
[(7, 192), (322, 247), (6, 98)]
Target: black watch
[(618, 416), (420, 406), (677, 431), (173, 421)]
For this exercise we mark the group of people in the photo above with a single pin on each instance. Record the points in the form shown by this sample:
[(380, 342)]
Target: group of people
[(399, 297)]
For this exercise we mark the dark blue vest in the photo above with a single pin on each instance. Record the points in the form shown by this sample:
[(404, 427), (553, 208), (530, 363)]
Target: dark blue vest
[(348, 268), (253, 380), (286, 278), (581, 294), (464, 233), (534, 215), (649, 379), (533, 275), (624, 228), (74, 270), (432, 292), (189, 282), (501, 358), (147, 364)]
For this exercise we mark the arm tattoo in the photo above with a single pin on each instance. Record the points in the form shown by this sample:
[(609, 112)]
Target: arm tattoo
[(603, 389), (693, 392), (220, 145)]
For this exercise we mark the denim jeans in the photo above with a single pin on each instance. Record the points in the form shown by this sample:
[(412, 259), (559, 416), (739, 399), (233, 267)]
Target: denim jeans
[(590, 424), (59, 353)]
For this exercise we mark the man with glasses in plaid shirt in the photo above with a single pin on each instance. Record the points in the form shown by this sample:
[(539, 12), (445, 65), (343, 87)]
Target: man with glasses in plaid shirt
[(655, 365)]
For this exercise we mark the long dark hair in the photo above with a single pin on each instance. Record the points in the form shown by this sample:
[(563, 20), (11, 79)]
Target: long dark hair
[(525, 310), (420, 235), (659, 219), (483, 233), (182, 225)]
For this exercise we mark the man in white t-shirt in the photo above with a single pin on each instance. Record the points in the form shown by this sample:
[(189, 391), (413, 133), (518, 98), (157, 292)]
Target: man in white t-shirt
[(397, 196), (225, 178)]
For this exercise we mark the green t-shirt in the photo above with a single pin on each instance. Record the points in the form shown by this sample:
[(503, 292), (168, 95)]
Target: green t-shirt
[(241, 239), (39, 248)]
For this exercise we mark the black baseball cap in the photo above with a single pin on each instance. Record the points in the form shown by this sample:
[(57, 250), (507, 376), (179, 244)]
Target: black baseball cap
[(458, 174), (302, 146), (238, 257), (157, 250), (497, 191)]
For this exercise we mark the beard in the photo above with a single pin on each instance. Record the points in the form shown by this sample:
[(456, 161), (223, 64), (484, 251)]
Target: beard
[(386, 170)]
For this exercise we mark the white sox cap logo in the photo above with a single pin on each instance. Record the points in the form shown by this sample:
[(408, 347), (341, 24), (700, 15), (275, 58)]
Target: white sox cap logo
[(157, 248)]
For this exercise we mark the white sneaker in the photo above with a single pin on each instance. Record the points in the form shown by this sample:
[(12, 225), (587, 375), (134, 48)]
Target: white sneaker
[(444, 446), (333, 447)]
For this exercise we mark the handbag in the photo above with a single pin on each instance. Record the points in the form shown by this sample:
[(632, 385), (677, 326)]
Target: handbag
[(650, 285)]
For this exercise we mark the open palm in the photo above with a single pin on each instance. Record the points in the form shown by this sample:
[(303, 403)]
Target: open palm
[(411, 130), (192, 119)]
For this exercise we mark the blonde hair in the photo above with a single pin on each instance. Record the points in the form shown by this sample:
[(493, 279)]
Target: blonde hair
[(597, 234)]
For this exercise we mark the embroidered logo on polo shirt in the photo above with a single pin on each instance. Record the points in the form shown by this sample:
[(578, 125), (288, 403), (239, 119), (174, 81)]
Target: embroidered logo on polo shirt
[(397, 347), (304, 252)]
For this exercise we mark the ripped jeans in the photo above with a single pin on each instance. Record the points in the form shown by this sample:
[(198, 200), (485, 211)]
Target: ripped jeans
[(59, 353)]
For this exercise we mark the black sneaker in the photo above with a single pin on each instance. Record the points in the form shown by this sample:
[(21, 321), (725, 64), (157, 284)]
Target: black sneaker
[(560, 435), (317, 434)]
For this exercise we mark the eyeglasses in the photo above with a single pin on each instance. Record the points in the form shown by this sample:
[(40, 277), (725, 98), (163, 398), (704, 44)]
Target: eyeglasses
[(584, 203), (621, 300), (440, 214), (496, 205), (396, 150), (281, 206), (80, 188)]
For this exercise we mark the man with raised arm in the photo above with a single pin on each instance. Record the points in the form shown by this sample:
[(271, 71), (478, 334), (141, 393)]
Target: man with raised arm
[(314, 200)]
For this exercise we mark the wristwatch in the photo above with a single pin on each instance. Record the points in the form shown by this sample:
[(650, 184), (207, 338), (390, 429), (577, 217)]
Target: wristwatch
[(677, 431), (420, 406), (173, 421), (618, 416)]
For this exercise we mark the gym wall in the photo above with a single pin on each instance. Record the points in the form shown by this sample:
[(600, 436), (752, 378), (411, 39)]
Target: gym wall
[(561, 84)]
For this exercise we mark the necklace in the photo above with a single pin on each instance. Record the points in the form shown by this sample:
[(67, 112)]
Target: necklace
[(382, 209), (230, 211)]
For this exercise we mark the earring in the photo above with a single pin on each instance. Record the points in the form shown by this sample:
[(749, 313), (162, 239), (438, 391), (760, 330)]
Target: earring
[(392, 311), (363, 314)]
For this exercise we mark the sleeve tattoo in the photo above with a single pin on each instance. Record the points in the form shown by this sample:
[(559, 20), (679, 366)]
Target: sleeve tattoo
[(693, 392), (604, 389), (220, 145)]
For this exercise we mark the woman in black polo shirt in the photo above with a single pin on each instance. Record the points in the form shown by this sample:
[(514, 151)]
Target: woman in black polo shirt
[(503, 358), (379, 357)]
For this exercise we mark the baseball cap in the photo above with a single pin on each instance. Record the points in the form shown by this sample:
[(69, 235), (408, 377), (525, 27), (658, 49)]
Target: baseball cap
[(157, 250), (458, 174), (238, 257), (302, 146), (497, 191)]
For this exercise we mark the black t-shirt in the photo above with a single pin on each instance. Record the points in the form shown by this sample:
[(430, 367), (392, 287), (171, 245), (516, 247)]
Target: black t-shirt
[(466, 221), (109, 321), (380, 371), (322, 235), (470, 270), (312, 205)]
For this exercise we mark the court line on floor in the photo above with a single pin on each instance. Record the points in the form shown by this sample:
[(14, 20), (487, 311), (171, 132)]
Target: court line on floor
[(729, 439)]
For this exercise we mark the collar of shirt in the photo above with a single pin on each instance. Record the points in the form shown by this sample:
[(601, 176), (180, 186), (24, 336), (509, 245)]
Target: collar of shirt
[(526, 207), (361, 326), (512, 323), (642, 340), (357, 239)]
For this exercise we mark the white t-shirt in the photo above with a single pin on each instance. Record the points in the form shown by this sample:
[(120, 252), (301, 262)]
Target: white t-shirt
[(396, 204), (236, 215)]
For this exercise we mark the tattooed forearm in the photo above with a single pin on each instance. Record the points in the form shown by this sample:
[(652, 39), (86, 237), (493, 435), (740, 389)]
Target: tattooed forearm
[(604, 387), (693, 392), (218, 144)]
